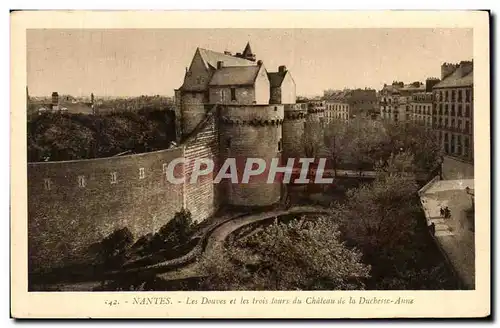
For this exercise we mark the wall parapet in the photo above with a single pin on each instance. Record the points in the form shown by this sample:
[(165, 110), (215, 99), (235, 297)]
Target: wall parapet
[(252, 114)]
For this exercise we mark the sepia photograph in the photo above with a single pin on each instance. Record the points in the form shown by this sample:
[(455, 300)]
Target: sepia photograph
[(252, 160)]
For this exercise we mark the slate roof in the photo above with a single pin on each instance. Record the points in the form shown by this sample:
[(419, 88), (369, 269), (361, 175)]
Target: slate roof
[(238, 75), (276, 78), (212, 57), (456, 79)]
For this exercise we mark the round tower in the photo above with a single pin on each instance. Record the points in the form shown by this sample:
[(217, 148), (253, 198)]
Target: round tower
[(251, 131), (192, 110), (314, 127), (293, 131)]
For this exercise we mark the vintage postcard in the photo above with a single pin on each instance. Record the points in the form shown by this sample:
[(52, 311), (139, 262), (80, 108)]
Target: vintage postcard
[(258, 164)]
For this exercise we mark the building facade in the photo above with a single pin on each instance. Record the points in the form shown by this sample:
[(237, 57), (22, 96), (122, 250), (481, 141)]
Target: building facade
[(395, 100), (337, 107), (453, 112), (421, 108)]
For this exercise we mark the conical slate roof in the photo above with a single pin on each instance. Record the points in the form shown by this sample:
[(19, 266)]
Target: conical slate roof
[(248, 50)]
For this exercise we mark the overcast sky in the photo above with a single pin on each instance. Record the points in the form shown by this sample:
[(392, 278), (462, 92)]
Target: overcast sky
[(135, 62)]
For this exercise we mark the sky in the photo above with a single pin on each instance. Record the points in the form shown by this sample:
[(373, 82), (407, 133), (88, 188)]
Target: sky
[(134, 62)]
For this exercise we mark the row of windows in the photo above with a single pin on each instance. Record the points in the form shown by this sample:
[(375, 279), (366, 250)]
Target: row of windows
[(454, 95), (455, 145), (446, 123), (113, 179), (223, 94), (450, 110), (422, 109), (336, 107), (426, 119)]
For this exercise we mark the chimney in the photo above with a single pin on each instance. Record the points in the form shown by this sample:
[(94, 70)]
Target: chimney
[(282, 69), (55, 99), (430, 83), (447, 69), (466, 67), (220, 64)]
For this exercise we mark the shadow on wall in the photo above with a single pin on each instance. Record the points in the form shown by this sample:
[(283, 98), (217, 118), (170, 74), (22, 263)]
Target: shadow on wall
[(456, 169)]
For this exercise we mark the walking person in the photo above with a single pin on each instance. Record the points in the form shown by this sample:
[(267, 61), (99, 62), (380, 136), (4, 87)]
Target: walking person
[(441, 211), (432, 227)]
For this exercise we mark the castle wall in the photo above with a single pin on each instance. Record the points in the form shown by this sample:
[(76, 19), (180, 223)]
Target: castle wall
[(275, 95), (64, 217), (293, 131), (222, 95), (251, 131), (201, 198), (193, 110)]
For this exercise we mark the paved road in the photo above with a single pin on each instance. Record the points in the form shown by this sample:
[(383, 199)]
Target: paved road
[(453, 234)]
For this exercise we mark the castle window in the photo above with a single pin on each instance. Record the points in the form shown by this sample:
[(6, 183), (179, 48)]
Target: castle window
[(81, 181), (222, 95), (467, 125), (459, 110), (228, 143), (47, 184), (280, 145), (467, 111), (275, 108), (233, 94), (114, 177), (467, 95), (459, 95), (142, 174)]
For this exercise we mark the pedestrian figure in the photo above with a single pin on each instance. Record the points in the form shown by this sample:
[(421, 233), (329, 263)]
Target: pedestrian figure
[(441, 211), (433, 228), (447, 213)]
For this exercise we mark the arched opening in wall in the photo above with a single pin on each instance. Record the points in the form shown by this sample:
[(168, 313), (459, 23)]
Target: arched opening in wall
[(280, 145)]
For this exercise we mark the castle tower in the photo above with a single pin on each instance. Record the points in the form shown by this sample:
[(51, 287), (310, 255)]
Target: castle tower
[(251, 131), (293, 131)]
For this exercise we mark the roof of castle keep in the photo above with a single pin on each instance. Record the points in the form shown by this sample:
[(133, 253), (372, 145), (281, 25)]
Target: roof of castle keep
[(236, 75), (276, 78), (212, 57)]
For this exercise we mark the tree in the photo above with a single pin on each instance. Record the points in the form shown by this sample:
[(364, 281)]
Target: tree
[(299, 255)]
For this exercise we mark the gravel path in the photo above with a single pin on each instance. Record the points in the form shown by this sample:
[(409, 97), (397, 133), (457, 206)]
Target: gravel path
[(221, 233)]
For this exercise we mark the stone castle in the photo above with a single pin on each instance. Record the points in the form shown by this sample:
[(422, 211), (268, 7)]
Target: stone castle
[(228, 105), (255, 114)]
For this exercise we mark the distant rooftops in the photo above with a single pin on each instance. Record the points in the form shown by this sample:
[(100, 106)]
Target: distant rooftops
[(456, 75)]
